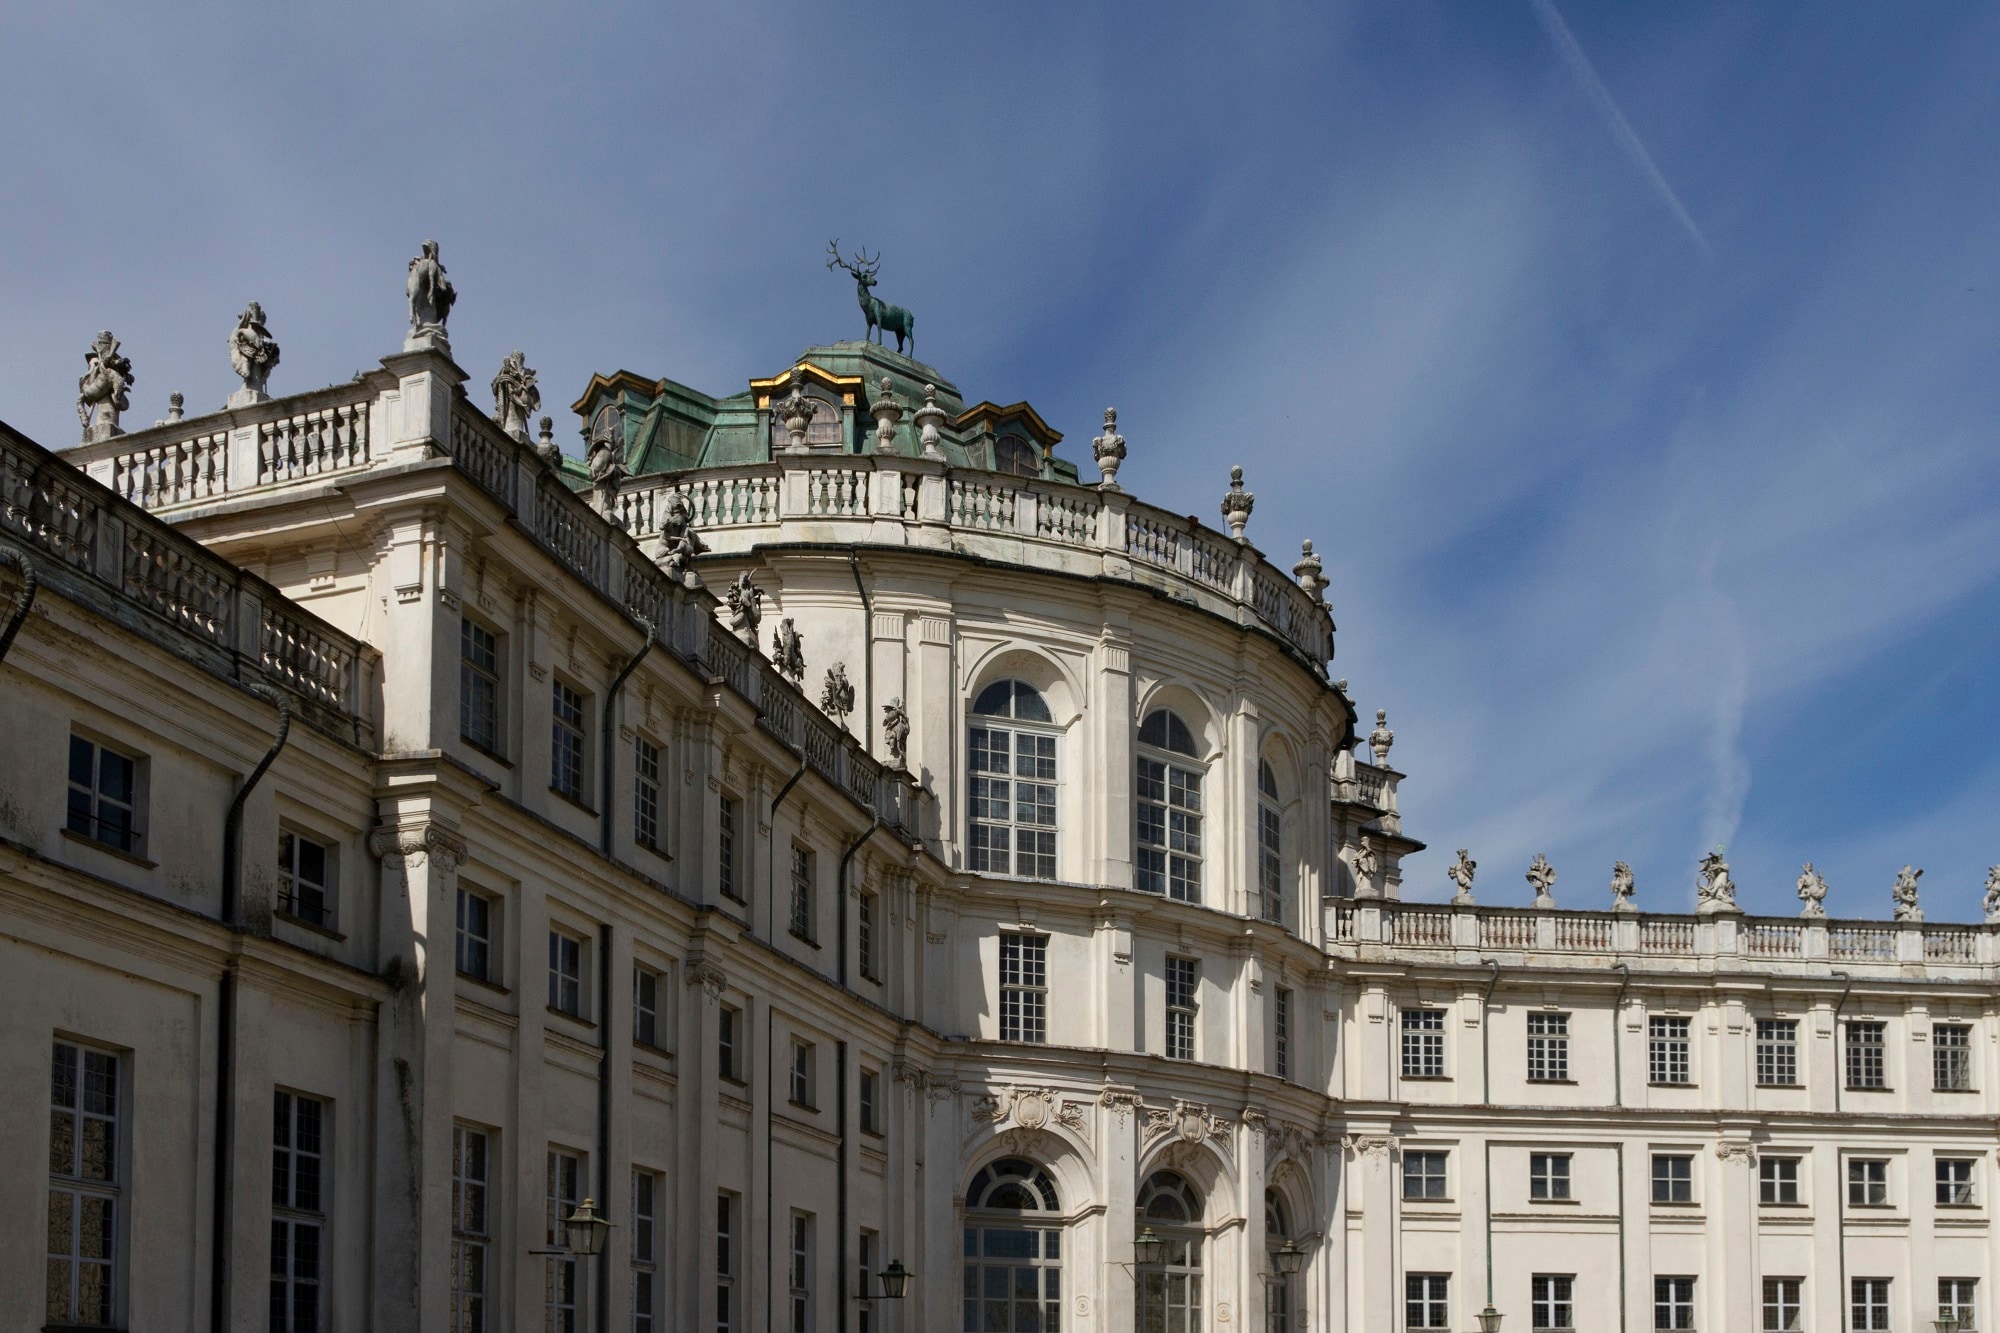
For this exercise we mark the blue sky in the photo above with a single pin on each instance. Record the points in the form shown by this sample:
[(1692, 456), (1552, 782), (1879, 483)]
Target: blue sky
[(1639, 386)]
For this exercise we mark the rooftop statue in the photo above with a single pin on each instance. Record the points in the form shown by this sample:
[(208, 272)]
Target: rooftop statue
[(788, 651), (430, 291), (1812, 891), (743, 603), (1904, 895), (883, 318), (104, 389), (1109, 449), (896, 731), (1621, 888), (679, 544), (1542, 877), (836, 697), (1993, 894), (1366, 866), (1460, 873), (1236, 504), (1714, 890), (515, 396), (607, 470), (253, 355)]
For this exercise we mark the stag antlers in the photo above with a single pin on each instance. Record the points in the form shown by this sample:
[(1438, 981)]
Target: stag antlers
[(862, 267)]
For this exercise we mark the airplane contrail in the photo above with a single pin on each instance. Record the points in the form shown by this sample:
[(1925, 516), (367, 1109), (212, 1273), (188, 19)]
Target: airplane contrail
[(1621, 129)]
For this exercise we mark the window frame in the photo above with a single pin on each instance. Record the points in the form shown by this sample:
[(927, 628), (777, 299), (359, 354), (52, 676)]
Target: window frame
[(1281, 1032), (1672, 1173), (726, 1220), (471, 901), (1777, 1177), (1673, 1304), (1270, 844), (482, 687), (1422, 1028), (1669, 1050), (1181, 1030), (730, 1032), (1782, 1307), (1865, 1055), (866, 954), (729, 878), (1169, 863), (647, 1188), (128, 838), (802, 919), (648, 808), (1427, 1301), (471, 1225), (81, 1188), (1548, 1046), (646, 993), (1429, 1171), (869, 1096), (1955, 1175), (562, 1298), (564, 985), (1550, 1177), (1868, 1305), (1024, 987), (802, 1079), (1868, 1182), (1951, 1057), (1033, 823), (295, 1215), (1777, 1051), (569, 741), (1959, 1296), (799, 1272), (1552, 1302)]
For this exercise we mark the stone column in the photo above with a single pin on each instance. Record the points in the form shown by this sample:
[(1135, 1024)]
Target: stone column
[(1122, 1117), (1374, 1162), (697, 1097), (1110, 805), (1732, 1232)]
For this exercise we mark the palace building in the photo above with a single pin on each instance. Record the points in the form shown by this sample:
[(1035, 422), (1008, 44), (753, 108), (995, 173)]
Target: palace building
[(901, 882)]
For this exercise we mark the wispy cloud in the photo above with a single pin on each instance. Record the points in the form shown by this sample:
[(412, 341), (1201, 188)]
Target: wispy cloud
[(1621, 129)]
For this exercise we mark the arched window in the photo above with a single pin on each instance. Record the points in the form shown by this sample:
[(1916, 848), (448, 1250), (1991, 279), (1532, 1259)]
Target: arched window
[(1013, 759), (1278, 1291), (1013, 1248), (822, 432), (1170, 1295), (1169, 808), (1014, 455), (1270, 844)]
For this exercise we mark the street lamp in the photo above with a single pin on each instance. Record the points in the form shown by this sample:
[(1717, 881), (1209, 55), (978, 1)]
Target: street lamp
[(1946, 1323), (1489, 1319), (1148, 1249), (585, 1229), (1288, 1259), (895, 1281)]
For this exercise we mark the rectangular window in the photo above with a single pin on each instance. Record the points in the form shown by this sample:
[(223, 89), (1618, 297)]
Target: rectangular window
[(725, 1263), (799, 1275), (646, 1189), (864, 935), (1954, 1181), (802, 1073), (871, 1102), (470, 1153), (728, 1060), (1271, 862), (1777, 1180), (1427, 1300), (803, 870), (560, 1275), (298, 1213), (1951, 1057), (1673, 1303), (305, 879), (1281, 1030), (1169, 830), (567, 721), (475, 935), (865, 1280), (1865, 1064), (1424, 1175), (1777, 1053), (1783, 1302), (1183, 981), (1673, 1178), (1955, 1301), (566, 974), (479, 686), (1550, 1306), (1423, 1043), (1548, 1176), (1667, 1054), (1867, 1182), (1870, 1299), (646, 1006), (727, 871), (85, 1183), (104, 795), (646, 793), (1024, 987), (1548, 1048), (1013, 803)]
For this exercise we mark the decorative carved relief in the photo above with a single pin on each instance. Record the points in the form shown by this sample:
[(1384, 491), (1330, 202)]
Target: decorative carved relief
[(1189, 1121), (1737, 1150), (1119, 1102), (707, 975), (411, 843), (1369, 1145)]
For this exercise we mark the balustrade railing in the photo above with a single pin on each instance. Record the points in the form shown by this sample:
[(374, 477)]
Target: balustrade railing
[(1583, 933), (1771, 939), (1423, 929), (308, 444), (1657, 936), (173, 471), (1509, 930), (483, 452), (1863, 943), (1951, 944)]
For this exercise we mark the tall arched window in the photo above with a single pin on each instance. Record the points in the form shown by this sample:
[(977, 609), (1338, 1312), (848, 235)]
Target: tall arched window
[(1278, 1289), (1170, 1295), (1013, 759), (1270, 844), (1013, 1249), (1169, 808)]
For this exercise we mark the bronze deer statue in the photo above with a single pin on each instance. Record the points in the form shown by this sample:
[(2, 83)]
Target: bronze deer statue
[(883, 318)]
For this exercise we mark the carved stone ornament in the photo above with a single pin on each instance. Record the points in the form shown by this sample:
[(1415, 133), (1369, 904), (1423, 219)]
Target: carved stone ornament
[(788, 651), (176, 409), (1070, 1115), (1380, 739), (888, 412), (928, 418), (253, 355), (412, 843), (1120, 1102), (1189, 1122), (1460, 873), (896, 731), (1237, 504), (1621, 888), (708, 976), (1109, 449), (104, 390), (607, 469), (1542, 878), (796, 409), (1812, 892), (836, 696), (679, 544), (1714, 891), (743, 606), (1368, 1145), (516, 397), (1366, 866), (1904, 895), (1737, 1150), (431, 296), (1992, 902), (1310, 571)]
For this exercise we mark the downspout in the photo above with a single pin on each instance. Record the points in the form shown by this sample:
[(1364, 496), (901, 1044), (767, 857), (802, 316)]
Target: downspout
[(15, 556), (840, 891), (604, 1092), (225, 1031), (840, 1186), (1839, 1185), (867, 655), (610, 731), (1618, 1100), (1486, 1099), (771, 852), (770, 1115)]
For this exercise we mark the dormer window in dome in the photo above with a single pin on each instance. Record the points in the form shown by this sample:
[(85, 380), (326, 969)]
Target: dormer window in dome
[(1016, 457)]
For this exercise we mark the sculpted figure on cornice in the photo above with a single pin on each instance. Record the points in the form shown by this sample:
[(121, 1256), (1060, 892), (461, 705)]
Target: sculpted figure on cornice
[(1904, 895), (104, 389), (1992, 901), (1714, 890), (1460, 873), (1542, 878), (896, 731), (1812, 891), (253, 352), (515, 395), (743, 603), (430, 291), (1622, 888)]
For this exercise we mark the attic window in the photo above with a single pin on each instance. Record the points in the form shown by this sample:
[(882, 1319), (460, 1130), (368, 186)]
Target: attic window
[(822, 433), (1015, 456)]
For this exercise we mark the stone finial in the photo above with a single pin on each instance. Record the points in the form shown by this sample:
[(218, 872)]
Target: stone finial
[(1812, 891), (431, 299), (176, 410), (1109, 449), (1367, 865), (888, 415), (253, 355), (896, 731), (836, 696), (546, 447), (515, 396), (1904, 895), (1714, 891), (788, 651), (743, 604), (1460, 873), (1621, 888), (1341, 686), (1992, 903), (797, 409), (928, 418), (1310, 571), (1237, 504), (104, 390), (1380, 739), (1542, 877)]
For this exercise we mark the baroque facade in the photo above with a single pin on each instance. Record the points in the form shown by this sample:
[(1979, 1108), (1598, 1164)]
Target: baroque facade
[(833, 837)]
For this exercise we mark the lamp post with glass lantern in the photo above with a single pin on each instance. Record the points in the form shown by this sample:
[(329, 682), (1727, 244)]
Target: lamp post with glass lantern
[(583, 1233)]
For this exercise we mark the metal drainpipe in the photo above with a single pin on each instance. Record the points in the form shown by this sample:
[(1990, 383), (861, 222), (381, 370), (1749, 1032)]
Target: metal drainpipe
[(1486, 1099), (840, 892), (225, 1034), (1618, 1100), (1839, 1185), (18, 558), (604, 1108), (840, 1181), (770, 1115), (610, 731), (771, 852), (867, 655)]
